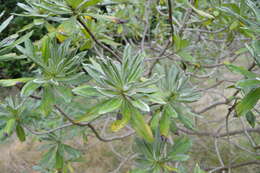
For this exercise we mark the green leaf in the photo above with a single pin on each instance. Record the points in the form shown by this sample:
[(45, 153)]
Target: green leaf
[(198, 170), (179, 157), (141, 105), (201, 13), (181, 146), (101, 108), (49, 158), (48, 100), (165, 123), (170, 111), (20, 133), (248, 102), (9, 127), (155, 120), (251, 119), (5, 23), (65, 92), (29, 88), (241, 70), (186, 121), (86, 91), (12, 82), (59, 160), (138, 123), (248, 83), (11, 56), (74, 153), (87, 3)]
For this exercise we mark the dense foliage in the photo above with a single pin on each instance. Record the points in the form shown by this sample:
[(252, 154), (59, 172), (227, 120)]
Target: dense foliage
[(139, 65)]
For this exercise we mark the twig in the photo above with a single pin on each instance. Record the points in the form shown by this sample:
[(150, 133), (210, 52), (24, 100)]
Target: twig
[(211, 134), (170, 17), (253, 162), (80, 20), (147, 15)]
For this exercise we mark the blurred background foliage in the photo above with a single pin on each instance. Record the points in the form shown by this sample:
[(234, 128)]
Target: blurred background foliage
[(15, 69)]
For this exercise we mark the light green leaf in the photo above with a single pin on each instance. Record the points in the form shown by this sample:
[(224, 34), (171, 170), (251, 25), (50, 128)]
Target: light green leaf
[(9, 127), (65, 92), (198, 170), (165, 123), (180, 157), (101, 108), (138, 123), (48, 99), (141, 105), (248, 83), (29, 88), (5, 23), (170, 111), (202, 13), (86, 91), (12, 82), (241, 70)]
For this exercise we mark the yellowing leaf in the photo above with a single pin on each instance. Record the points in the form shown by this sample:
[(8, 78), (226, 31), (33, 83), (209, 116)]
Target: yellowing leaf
[(202, 13), (119, 124)]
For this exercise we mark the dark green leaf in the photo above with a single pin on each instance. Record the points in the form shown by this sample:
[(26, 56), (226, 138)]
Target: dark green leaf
[(248, 102)]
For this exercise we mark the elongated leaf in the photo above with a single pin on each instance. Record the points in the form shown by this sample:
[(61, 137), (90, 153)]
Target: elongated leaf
[(241, 70), (5, 23), (48, 99), (141, 105), (198, 170), (12, 82), (155, 120), (11, 56), (248, 102), (170, 111), (180, 157), (48, 159), (181, 146), (86, 91), (29, 88), (202, 13), (65, 93), (101, 108), (9, 127), (87, 3), (121, 123), (139, 124), (165, 124), (251, 119), (20, 133), (187, 122), (248, 83)]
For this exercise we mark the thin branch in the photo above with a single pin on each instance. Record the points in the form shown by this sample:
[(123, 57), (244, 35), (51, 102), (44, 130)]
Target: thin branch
[(80, 20), (253, 162), (216, 135), (170, 17), (49, 131), (109, 139), (212, 106), (73, 122)]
